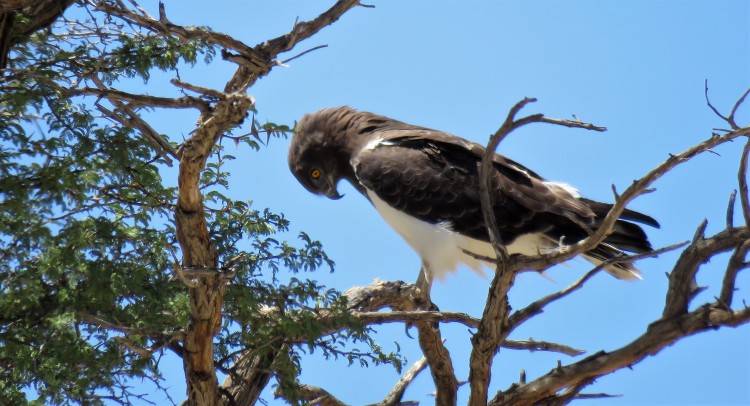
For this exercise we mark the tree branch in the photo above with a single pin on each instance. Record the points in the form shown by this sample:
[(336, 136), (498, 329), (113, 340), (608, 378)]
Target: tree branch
[(132, 119), (492, 329), (639, 187), (660, 334), (682, 286), (736, 263), (742, 181), (675, 323), (537, 307), (313, 396), (397, 393), (247, 74), (736, 106), (463, 318)]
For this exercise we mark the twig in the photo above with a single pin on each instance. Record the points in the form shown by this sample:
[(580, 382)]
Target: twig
[(708, 101), (535, 345), (199, 89), (538, 306), (285, 61), (730, 209), (742, 181), (572, 124), (247, 74), (735, 107), (595, 396)]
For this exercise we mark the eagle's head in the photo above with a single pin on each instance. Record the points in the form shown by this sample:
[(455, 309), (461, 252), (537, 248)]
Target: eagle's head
[(320, 150)]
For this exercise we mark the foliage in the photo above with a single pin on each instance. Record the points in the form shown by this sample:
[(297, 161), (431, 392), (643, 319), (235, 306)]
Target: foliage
[(88, 299)]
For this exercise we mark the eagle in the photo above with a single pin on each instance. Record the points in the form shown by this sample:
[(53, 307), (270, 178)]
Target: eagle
[(425, 185)]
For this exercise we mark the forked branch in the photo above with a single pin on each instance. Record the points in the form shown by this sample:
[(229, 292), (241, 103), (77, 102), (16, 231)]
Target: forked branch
[(493, 327)]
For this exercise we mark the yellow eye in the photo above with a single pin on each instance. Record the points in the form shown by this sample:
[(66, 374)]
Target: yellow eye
[(315, 173)]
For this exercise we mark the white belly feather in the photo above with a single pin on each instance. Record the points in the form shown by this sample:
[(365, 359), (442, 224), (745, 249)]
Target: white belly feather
[(442, 249)]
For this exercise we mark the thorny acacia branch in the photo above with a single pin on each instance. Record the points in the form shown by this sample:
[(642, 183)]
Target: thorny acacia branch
[(198, 252)]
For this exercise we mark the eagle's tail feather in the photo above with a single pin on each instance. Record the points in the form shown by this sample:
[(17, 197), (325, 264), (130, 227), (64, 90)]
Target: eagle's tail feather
[(626, 236), (604, 252)]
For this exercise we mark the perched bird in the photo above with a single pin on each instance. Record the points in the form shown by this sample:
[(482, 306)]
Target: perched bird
[(425, 185)]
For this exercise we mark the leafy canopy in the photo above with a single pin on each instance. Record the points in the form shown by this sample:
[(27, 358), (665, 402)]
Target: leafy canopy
[(88, 298)]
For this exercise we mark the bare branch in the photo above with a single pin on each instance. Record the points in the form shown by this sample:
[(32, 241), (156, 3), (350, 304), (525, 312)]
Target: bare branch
[(439, 359), (165, 27), (141, 100), (737, 105), (742, 181), (397, 392), (485, 176), (682, 286), (247, 74), (708, 101), (406, 299), (312, 395), (639, 187), (660, 334), (538, 306), (248, 377), (463, 318), (730, 209), (285, 61), (363, 302), (572, 124), (215, 94), (492, 329), (416, 316), (535, 345), (736, 263)]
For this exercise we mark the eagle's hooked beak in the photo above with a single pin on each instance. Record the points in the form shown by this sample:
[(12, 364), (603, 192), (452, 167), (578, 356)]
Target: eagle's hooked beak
[(332, 191)]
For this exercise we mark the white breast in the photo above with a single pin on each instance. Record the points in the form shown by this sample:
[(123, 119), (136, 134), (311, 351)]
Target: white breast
[(442, 249)]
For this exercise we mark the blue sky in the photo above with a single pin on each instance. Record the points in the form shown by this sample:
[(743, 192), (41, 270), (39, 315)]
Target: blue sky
[(636, 67)]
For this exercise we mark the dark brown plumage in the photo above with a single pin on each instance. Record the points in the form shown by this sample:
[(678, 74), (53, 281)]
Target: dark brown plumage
[(432, 176)]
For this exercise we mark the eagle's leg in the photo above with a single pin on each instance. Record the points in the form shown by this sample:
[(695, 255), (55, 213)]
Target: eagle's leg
[(424, 282)]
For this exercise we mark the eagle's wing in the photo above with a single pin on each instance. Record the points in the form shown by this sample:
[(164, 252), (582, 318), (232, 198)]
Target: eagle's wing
[(433, 176)]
